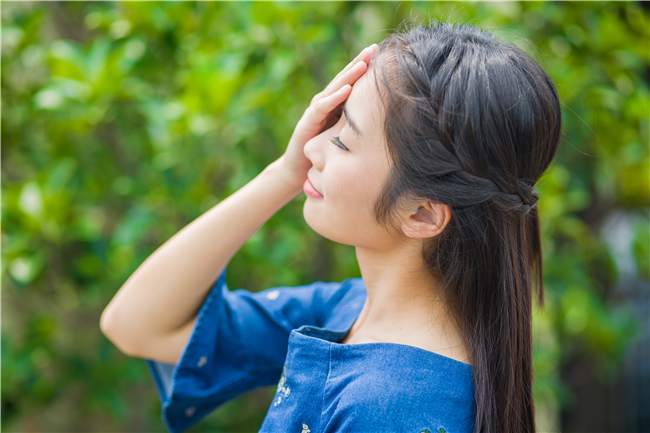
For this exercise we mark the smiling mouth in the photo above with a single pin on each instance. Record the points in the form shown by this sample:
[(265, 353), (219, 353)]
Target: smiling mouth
[(309, 189)]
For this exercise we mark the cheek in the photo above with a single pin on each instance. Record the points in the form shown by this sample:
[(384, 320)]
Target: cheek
[(360, 181), (346, 215), (353, 191)]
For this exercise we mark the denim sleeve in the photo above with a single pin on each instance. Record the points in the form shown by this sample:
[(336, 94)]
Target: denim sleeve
[(239, 342)]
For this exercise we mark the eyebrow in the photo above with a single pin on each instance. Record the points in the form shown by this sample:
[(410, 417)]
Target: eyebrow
[(350, 122)]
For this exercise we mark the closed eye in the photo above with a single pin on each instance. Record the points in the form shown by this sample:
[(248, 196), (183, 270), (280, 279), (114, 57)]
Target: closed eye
[(338, 143)]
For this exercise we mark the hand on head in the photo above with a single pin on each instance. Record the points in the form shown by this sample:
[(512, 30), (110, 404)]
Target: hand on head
[(322, 114)]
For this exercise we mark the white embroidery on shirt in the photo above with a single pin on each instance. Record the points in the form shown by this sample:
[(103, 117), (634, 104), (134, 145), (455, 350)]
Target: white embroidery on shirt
[(202, 361), (283, 390), (305, 429), (273, 295)]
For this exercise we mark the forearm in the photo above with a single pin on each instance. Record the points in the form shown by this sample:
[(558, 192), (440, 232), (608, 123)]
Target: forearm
[(167, 290)]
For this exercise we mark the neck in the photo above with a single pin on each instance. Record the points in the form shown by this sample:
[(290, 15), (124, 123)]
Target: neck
[(404, 303)]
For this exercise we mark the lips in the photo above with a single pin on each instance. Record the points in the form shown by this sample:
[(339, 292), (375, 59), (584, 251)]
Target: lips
[(309, 189)]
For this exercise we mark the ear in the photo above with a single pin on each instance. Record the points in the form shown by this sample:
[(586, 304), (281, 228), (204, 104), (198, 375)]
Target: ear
[(427, 221)]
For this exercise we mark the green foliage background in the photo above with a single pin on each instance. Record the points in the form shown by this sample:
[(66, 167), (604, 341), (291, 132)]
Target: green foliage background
[(122, 122)]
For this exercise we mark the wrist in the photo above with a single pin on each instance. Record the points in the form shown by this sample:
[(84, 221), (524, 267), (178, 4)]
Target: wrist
[(278, 170)]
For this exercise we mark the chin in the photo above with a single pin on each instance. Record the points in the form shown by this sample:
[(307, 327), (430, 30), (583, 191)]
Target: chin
[(343, 232), (316, 219)]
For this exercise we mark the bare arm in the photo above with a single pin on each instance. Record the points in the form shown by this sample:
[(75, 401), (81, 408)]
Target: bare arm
[(153, 313)]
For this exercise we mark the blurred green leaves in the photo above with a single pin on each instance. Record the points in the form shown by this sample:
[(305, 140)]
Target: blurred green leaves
[(122, 122)]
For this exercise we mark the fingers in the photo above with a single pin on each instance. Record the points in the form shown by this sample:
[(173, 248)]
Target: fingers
[(325, 106), (349, 77), (323, 111), (352, 72), (364, 56)]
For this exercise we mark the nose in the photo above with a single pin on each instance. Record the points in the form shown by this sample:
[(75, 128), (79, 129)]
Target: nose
[(313, 152)]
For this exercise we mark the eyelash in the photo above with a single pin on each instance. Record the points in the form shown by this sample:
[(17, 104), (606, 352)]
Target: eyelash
[(338, 143)]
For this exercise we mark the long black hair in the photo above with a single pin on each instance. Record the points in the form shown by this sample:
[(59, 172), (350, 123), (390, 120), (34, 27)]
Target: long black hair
[(473, 123)]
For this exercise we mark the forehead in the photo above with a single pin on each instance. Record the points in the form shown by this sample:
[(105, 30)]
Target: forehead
[(363, 105)]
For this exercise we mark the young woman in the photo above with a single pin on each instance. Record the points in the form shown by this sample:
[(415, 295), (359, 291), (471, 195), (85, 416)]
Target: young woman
[(422, 153)]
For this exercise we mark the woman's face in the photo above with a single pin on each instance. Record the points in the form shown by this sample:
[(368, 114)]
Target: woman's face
[(349, 181)]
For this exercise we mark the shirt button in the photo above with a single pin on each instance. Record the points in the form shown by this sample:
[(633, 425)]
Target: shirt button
[(190, 411), (273, 295), (202, 361)]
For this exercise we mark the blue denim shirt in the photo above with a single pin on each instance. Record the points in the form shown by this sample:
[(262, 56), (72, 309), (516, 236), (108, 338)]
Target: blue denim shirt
[(289, 336)]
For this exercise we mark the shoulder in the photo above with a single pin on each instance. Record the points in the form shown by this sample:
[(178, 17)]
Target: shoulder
[(334, 293), (401, 391), (317, 300), (342, 304)]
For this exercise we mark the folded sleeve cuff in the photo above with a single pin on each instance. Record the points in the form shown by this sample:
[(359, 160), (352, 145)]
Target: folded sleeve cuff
[(214, 367)]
